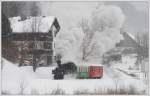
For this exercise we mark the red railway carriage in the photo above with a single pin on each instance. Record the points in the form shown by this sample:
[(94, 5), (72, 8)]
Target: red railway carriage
[(95, 71), (91, 72)]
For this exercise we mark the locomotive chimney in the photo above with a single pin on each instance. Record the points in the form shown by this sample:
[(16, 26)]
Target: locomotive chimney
[(58, 60)]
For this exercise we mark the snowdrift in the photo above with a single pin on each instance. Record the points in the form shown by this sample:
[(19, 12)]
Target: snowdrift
[(22, 80)]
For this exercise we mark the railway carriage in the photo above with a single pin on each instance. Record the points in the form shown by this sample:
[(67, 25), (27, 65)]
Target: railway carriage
[(82, 72), (95, 71), (91, 72)]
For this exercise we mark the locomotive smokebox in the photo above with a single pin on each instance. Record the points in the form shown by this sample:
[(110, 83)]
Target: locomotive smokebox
[(62, 69)]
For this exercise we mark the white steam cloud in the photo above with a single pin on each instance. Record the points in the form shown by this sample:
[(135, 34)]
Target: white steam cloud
[(107, 17), (68, 43), (105, 21)]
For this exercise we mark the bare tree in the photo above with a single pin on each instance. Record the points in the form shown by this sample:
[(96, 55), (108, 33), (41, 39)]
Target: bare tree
[(22, 86), (142, 39), (86, 46)]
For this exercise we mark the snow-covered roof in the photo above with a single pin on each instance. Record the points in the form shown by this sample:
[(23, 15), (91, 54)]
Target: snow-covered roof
[(46, 23), (32, 24), (86, 64), (129, 34), (129, 41)]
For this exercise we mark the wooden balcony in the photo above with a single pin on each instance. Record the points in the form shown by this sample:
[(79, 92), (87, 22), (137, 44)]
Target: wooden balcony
[(31, 36)]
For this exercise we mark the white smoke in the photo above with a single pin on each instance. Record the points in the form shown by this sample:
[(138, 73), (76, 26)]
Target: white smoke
[(105, 22), (68, 43), (107, 16)]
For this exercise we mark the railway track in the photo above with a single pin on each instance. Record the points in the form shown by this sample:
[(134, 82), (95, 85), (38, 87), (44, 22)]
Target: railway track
[(129, 74)]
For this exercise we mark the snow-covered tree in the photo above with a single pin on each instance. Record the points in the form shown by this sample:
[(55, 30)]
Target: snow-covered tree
[(94, 37), (102, 33), (86, 47), (67, 44), (107, 16)]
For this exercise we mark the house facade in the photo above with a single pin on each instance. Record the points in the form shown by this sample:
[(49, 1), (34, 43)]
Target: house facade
[(128, 52), (34, 38), (125, 50)]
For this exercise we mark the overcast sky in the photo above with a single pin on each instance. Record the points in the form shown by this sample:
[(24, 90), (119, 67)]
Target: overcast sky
[(136, 15)]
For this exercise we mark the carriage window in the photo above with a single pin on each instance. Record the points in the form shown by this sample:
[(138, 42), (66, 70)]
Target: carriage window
[(80, 69), (86, 69), (92, 69)]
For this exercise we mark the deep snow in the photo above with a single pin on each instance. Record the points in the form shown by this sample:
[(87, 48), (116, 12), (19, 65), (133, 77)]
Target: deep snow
[(14, 78)]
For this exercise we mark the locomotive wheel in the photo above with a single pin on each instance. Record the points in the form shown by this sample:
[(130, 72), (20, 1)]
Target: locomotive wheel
[(97, 77), (55, 77), (59, 76), (62, 76), (82, 78)]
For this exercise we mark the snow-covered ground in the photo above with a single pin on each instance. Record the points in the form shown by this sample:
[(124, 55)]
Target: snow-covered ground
[(22, 80), (129, 66)]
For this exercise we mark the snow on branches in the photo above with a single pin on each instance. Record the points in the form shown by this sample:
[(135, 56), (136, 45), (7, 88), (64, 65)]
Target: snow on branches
[(94, 37)]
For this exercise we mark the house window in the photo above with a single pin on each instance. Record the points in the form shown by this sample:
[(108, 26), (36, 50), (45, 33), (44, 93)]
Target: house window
[(48, 45), (39, 45)]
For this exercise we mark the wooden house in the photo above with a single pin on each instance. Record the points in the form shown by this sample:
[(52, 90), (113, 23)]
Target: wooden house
[(34, 38), (9, 51), (124, 48), (128, 51)]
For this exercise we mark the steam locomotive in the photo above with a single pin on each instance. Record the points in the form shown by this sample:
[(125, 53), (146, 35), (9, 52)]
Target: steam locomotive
[(82, 72), (62, 69)]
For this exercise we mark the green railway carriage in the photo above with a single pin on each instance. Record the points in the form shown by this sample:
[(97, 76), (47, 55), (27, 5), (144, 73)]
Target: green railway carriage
[(86, 72), (82, 72)]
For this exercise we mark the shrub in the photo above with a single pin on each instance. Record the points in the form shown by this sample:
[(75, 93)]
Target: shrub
[(5, 92), (58, 91), (34, 92)]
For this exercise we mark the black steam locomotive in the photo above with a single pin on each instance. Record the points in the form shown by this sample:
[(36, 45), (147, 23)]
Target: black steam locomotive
[(62, 69)]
